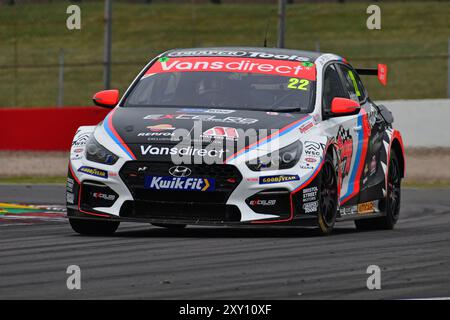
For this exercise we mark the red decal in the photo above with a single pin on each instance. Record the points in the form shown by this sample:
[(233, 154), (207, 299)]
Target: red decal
[(222, 132), (382, 74), (243, 65)]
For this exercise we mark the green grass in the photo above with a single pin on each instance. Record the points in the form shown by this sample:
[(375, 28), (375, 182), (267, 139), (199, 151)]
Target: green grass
[(419, 30)]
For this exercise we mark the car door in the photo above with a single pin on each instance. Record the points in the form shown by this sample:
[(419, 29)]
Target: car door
[(344, 128), (374, 126), (362, 132)]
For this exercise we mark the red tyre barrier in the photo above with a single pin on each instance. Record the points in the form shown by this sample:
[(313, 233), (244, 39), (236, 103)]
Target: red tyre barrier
[(44, 129)]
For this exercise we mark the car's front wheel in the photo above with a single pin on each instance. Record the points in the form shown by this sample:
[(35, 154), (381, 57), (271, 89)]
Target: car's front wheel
[(328, 197), (93, 227)]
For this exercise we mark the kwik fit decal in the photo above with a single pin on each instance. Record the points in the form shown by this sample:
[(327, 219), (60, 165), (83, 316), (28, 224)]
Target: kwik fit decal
[(179, 183)]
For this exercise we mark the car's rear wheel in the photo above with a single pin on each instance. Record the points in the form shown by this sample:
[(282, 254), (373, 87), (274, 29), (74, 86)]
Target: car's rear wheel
[(93, 227), (170, 226), (390, 205), (327, 197)]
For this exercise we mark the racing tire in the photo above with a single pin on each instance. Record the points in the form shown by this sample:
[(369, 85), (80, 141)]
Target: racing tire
[(328, 197), (390, 205), (93, 227), (170, 226)]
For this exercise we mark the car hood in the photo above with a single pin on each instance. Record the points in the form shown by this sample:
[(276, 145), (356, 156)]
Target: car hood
[(140, 127)]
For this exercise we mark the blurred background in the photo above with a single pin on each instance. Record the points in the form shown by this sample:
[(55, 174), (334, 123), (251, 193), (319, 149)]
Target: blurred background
[(44, 64)]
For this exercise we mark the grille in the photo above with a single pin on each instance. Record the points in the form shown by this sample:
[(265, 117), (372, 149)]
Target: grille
[(226, 177), (193, 212)]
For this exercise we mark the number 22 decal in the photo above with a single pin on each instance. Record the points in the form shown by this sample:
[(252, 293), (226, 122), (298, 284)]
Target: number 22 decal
[(300, 84)]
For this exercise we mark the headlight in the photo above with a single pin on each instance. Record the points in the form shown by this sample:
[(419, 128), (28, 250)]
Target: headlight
[(97, 153), (285, 158)]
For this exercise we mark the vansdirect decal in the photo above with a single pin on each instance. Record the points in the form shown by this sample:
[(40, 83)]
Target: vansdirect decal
[(278, 179), (94, 172), (182, 151), (231, 64), (179, 183)]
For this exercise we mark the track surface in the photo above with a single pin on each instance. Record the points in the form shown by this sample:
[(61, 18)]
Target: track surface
[(212, 263)]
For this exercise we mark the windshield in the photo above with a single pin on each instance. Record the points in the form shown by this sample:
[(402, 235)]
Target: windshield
[(228, 83)]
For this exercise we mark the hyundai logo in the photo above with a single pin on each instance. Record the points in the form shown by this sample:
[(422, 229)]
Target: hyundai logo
[(180, 171)]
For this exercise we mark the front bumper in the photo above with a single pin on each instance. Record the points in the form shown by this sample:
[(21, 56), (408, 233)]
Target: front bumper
[(236, 200)]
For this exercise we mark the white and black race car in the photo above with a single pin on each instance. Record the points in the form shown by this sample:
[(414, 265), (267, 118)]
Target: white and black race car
[(238, 137)]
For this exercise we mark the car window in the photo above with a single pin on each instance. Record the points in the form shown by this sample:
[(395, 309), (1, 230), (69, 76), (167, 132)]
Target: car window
[(332, 87), (224, 82), (362, 90), (353, 84)]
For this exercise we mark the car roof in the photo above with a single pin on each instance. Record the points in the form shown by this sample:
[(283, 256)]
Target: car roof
[(309, 55)]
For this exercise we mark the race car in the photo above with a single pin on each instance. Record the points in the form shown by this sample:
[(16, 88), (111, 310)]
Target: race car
[(239, 137)]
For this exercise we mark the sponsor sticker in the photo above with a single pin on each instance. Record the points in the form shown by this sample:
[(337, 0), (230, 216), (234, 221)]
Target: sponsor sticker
[(259, 202), (212, 111), (94, 172), (201, 117), (313, 149), (233, 53), (161, 127), (310, 194), (311, 207), (70, 184), (305, 128), (278, 179), (345, 145), (104, 196), (348, 210), (76, 156), (81, 140), (221, 132), (373, 165), (179, 183), (366, 207), (70, 198)]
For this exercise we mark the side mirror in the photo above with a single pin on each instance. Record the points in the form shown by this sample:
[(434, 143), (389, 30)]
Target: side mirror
[(343, 106), (106, 98)]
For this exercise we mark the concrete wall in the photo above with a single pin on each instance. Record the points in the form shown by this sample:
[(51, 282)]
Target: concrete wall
[(423, 123)]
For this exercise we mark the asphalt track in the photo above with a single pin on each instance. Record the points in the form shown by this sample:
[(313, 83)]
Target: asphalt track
[(222, 263)]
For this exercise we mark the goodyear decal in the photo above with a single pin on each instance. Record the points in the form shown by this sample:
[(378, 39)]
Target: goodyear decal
[(179, 183), (278, 179), (94, 172)]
